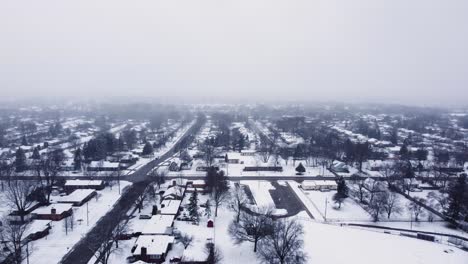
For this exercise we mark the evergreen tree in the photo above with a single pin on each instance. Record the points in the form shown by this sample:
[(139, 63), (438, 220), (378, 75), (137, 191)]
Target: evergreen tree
[(300, 169), (20, 161), (24, 141), (341, 192), (241, 142), (208, 208), (36, 154), (147, 149), (78, 159), (404, 153), (193, 206), (458, 198), (394, 135)]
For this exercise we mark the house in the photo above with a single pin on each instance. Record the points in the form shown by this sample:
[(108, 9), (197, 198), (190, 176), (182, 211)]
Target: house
[(173, 193), (248, 152), (205, 168), (374, 186), (67, 165), (339, 167), (53, 212), (324, 185), (186, 166), (77, 197), (267, 168), (159, 225), (233, 158), (152, 248), (170, 207), (37, 229), (18, 217), (197, 184), (103, 166), (71, 185)]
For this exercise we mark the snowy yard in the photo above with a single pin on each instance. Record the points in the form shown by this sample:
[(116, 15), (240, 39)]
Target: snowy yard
[(260, 191), (350, 210), (330, 244)]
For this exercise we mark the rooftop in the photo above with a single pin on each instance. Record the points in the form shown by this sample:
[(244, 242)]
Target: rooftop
[(159, 225), (154, 244)]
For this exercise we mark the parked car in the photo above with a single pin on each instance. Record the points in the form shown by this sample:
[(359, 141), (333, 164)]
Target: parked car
[(145, 216)]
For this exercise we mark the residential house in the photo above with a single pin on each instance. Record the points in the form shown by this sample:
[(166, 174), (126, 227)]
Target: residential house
[(53, 212), (152, 248)]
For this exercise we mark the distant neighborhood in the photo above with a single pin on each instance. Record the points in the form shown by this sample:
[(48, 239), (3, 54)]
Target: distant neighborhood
[(232, 183)]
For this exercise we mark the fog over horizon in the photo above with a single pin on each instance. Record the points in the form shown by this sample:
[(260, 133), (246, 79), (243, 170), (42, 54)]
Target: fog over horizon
[(410, 52)]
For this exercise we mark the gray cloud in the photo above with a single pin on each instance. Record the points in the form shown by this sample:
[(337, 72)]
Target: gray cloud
[(395, 51)]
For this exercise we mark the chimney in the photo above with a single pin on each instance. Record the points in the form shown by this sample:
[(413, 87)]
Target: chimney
[(143, 251), (53, 211)]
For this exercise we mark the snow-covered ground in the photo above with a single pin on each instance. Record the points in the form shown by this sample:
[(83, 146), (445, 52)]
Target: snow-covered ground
[(350, 209), (323, 243), (260, 192), (330, 244), (52, 248)]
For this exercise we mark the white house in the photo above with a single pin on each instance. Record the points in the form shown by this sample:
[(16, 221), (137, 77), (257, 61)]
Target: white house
[(153, 248)]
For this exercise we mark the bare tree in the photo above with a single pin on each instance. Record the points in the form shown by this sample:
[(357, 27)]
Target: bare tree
[(17, 196), (13, 236), (265, 151), (208, 150), (214, 254), (219, 195), (143, 198), (159, 176), (361, 190), (238, 200), (416, 208), (284, 245), (51, 167), (392, 204), (186, 240), (374, 187), (252, 227), (376, 207)]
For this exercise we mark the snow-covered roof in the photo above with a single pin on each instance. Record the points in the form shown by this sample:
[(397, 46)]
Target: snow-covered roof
[(175, 191), (37, 226), (319, 183), (103, 164), (76, 196), (159, 225), (234, 155), (154, 244), (83, 183), (198, 182), (46, 210), (171, 207)]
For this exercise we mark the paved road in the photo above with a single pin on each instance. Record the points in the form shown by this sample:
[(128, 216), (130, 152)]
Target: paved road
[(84, 250)]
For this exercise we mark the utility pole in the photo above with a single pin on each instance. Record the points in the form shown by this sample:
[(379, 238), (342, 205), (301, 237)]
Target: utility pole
[(411, 221), (326, 205), (87, 215)]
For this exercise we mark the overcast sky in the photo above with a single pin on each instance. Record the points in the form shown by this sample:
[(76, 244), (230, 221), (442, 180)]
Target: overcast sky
[(388, 50)]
